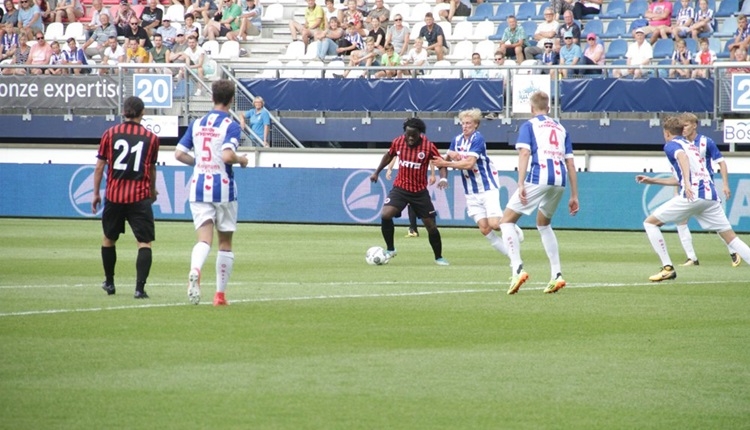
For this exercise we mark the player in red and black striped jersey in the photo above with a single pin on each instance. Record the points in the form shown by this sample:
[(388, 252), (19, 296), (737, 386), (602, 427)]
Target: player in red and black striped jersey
[(129, 152), (414, 151)]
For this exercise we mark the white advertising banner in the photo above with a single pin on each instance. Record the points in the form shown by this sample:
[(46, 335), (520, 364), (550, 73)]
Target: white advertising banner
[(162, 125), (526, 85), (737, 130)]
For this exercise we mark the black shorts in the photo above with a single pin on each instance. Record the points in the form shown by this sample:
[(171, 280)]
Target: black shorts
[(420, 202), (140, 217), (462, 10), (223, 31)]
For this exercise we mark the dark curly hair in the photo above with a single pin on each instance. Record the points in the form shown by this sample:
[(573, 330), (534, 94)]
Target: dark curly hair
[(416, 123)]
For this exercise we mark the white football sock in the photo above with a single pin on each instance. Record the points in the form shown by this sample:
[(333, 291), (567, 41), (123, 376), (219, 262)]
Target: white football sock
[(549, 241), (740, 247), (199, 255), (224, 266), (512, 245), (496, 242), (687, 241), (657, 242)]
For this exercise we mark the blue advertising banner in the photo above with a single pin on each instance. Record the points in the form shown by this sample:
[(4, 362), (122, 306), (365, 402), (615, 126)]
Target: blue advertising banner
[(609, 201)]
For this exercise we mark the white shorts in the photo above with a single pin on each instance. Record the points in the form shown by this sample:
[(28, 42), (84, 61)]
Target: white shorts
[(484, 205), (709, 213), (544, 197), (223, 215)]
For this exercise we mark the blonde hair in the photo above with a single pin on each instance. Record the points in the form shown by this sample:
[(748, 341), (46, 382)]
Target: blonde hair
[(674, 125), (539, 100), (473, 114)]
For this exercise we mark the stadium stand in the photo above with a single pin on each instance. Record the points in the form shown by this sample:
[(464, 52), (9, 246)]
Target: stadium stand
[(482, 12), (527, 11), (613, 10), (616, 29)]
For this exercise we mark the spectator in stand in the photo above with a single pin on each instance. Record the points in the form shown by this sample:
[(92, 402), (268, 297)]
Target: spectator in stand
[(456, 8), (9, 22), (330, 10), (314, 20), (193, 56), (151, 17), (250, 21), (39, 55), (29, 18), (351, 42), (704, 57), (180, 45), (477, 71), (230, 21), (125, 14), (72, 10), (513, 40), (352, 14), (136, 31), (680, 57), (659, 16), (260, 121), (377, 33), (398, 36), (741, 37), (101, 35), (500, 73), (205, 9), (639, 54), (434, 37), (363, 57), (76, 57), (544, 31), (568, 25), (389, 59), (189, 27), (20, 56), (740, 56), (96, 21), (113, 55), (362, 7), (682, 23), (329, 38), (560, 6), (159, 54), (593, 55), (570, 55), (136, 54), (417, 57), (586, 7), (549, 57), (381, 13), (167, 32), (704, 20), (47, 12), (55, 60), (9, 41)]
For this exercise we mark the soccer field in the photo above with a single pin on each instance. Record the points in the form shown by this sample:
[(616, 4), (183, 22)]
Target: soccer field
[(315, 338)]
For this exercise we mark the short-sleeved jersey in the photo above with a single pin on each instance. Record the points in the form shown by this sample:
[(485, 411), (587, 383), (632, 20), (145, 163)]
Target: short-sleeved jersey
[(701, 181), (129, 150), (701, 14), (709, 151), (482, 176), (208, 137), (413, 163), (685, 15), (550, 145)]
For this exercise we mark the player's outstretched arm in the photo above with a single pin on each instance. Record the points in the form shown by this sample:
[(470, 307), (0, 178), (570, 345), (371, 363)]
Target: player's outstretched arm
[(643, 179), (184, 157), (387, 157)]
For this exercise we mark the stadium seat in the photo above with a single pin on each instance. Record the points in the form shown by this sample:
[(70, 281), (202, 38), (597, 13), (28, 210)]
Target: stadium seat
[(462, 31), (483, 11), (270, 73), (526, 11), (415, 28), (295, 50), (663, 73), (314, 70), (418, 12), (663, 48), (211, 70), (212, 48), (483, 30), (75, 30), (714, 44), (499, 31), (636, 9), (529, 27), (448, 28), (486, 49), (54, 31), (440, 73), (692, 45), (311, 52), (728, 27), (461, 51), (613, 10), (230, 50), (594, 26), (467, 66), (176, 13), (402, 9), (273, 12), (724, 53), (616, 29), (504, 10), (616, 49), (294, 69), (334, 67)]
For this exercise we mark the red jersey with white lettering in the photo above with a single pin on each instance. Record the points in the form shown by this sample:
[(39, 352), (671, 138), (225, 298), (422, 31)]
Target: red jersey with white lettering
[(130, 150), (413, 162)]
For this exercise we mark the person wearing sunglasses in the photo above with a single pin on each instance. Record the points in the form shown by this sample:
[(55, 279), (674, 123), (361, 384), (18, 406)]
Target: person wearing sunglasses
[(29, 18), (230, 21), (40, 55), (125, 14), (135, 31), (398, 36)]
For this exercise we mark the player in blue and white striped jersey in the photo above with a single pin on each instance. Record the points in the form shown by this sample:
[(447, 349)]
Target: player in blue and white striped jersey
[(696, 197), (213, 139), (545, 166)]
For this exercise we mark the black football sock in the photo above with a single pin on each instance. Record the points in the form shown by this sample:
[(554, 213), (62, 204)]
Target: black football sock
[(142, 267), (436, 243), (109, 259), (386, 227)]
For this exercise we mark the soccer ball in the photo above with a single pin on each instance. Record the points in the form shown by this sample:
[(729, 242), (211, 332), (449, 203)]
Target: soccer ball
[(375, 256)]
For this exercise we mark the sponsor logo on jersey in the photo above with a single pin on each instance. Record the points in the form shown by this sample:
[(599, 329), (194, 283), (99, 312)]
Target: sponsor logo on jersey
[(361, 198), (81, 191)]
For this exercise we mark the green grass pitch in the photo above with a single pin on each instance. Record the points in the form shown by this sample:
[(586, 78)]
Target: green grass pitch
[(315, 338)]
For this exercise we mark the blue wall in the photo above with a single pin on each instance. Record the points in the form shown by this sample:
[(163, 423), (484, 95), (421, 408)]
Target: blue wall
[(608, 200)]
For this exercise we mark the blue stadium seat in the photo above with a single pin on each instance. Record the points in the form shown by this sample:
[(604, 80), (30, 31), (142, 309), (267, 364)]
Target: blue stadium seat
[(526, 11), (499, 32), (482, 12), (728, 27), (616, 49), (504, 11), (663, 48), (613, 10), (529, 27), (593, 26), (636, 9), (692, 45), (616, 29), (664, 73), (724, 53), (714, 44), (727, 8)]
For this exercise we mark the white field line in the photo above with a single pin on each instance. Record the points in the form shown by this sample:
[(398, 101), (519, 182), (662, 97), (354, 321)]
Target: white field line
[(331, 296)]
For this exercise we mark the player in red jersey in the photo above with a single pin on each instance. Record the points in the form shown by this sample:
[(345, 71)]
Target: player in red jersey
[(414, 151), (129, 151)]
